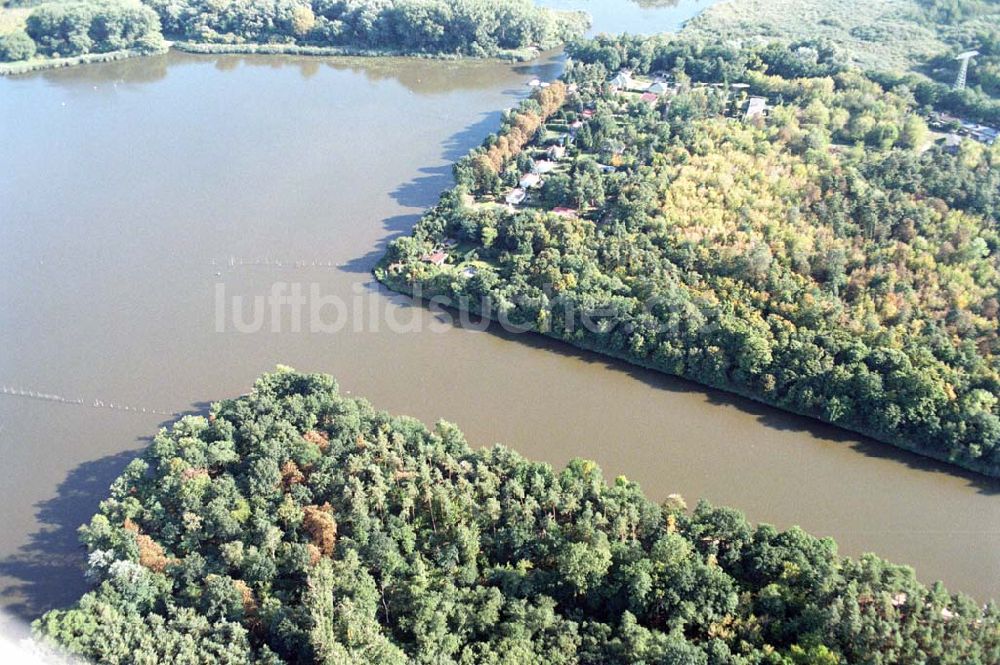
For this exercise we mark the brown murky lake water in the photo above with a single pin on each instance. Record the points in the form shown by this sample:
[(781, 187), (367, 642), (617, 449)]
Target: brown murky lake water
[(138, 196)]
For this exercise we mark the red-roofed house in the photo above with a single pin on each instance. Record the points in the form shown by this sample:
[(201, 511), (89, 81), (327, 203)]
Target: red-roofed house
[(435, 258), (649, 97)]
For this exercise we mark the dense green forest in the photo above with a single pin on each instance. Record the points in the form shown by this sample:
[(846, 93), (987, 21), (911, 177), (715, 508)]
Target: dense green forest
[(467, 27), (828, 258), (296, 524), (65, 29)]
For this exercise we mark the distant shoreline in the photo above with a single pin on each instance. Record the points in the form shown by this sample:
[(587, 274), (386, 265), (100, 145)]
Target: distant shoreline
[(41, 64), (198, 48), (401, 286), (207, 48)]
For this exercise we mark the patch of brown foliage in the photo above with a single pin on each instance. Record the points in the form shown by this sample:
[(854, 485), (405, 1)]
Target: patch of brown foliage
[(318, 437), (551, 98), (151, 554), (193, 472), (249, 602), (291, 475), (525, 125), (322, 528)]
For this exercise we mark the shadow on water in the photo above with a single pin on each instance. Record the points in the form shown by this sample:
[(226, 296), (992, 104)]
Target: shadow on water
[(546, 67), (107, 77), (423, 191), (47, 572), (771, 417)]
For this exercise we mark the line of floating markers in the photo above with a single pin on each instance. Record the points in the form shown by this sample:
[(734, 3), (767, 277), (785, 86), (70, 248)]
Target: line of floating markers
[(238, 261), (16, 391)]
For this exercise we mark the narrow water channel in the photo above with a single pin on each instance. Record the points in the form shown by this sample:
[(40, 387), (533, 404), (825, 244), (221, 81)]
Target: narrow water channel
[(144, 193)]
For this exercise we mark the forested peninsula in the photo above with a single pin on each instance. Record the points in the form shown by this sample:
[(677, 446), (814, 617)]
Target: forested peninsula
[(768, 220), (60, 33), (296, 524)]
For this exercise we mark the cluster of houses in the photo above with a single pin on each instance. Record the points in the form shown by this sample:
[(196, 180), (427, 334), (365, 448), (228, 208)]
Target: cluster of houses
[(651, 93), (962, 129), (531, 180)]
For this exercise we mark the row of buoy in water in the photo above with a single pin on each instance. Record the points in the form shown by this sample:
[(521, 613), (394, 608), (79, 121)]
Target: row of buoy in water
[(235, 261), (94, 404)]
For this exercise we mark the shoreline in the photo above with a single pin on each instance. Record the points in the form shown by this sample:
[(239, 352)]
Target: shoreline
[(198, 48), (208, 48), (397, 286), (42, 64)]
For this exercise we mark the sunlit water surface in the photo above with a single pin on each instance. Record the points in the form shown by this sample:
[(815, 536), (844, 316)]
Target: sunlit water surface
[(135, 191)]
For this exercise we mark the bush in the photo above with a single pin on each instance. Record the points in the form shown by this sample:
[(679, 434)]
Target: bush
[(16, 46), (78, 28)]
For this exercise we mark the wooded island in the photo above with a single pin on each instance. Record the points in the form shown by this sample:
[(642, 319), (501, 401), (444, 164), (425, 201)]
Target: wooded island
[(297, 524)]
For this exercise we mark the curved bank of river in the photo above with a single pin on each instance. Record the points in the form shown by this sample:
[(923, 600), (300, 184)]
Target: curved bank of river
[(146, 192)]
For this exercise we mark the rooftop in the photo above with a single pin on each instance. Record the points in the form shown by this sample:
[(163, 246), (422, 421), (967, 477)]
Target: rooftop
[(515, 196), (435, 258), (530, 180), (756, 107)]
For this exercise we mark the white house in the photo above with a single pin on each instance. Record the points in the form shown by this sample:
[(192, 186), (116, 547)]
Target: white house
[(623, 80), (529, 180), (543, 166), (756, 107), (516, 196)]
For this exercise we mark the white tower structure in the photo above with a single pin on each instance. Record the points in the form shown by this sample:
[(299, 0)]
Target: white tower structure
[(964, 68)]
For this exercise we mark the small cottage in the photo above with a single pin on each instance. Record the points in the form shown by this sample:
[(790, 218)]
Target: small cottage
[(530, 180), (435, 258), (623, 81), (516, 197), (543, 166), (756, 107)]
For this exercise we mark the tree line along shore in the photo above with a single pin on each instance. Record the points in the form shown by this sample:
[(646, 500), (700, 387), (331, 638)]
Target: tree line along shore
[(766, 220), (62, 33), (297, 524)]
